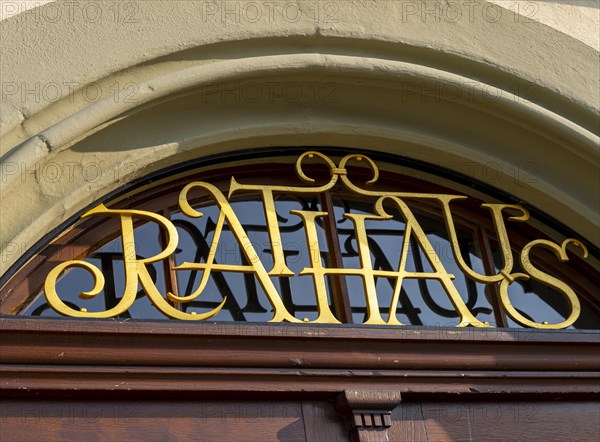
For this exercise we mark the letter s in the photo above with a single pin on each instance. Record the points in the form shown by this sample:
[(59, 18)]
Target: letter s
[(537, 275)]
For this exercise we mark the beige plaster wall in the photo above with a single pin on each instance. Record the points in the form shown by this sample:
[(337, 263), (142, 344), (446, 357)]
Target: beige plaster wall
[(577, 18), (110, 91)]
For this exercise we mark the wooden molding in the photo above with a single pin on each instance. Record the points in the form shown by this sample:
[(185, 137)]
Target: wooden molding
[(73, 355)]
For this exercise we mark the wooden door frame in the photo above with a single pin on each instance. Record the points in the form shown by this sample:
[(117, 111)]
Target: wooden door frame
[(139, 357)]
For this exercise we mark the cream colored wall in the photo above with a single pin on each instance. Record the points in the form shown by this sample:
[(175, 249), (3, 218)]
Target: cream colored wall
[(9, 8), (577, 18), (112, 91)]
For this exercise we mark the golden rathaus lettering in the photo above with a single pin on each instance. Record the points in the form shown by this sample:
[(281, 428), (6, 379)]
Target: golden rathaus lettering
[(137, 274)]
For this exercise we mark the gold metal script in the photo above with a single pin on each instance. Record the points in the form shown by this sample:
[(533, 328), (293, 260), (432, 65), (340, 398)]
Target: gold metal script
[(136, 272)]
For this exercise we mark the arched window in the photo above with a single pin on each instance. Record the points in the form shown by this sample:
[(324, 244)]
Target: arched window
[(310, 237)]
